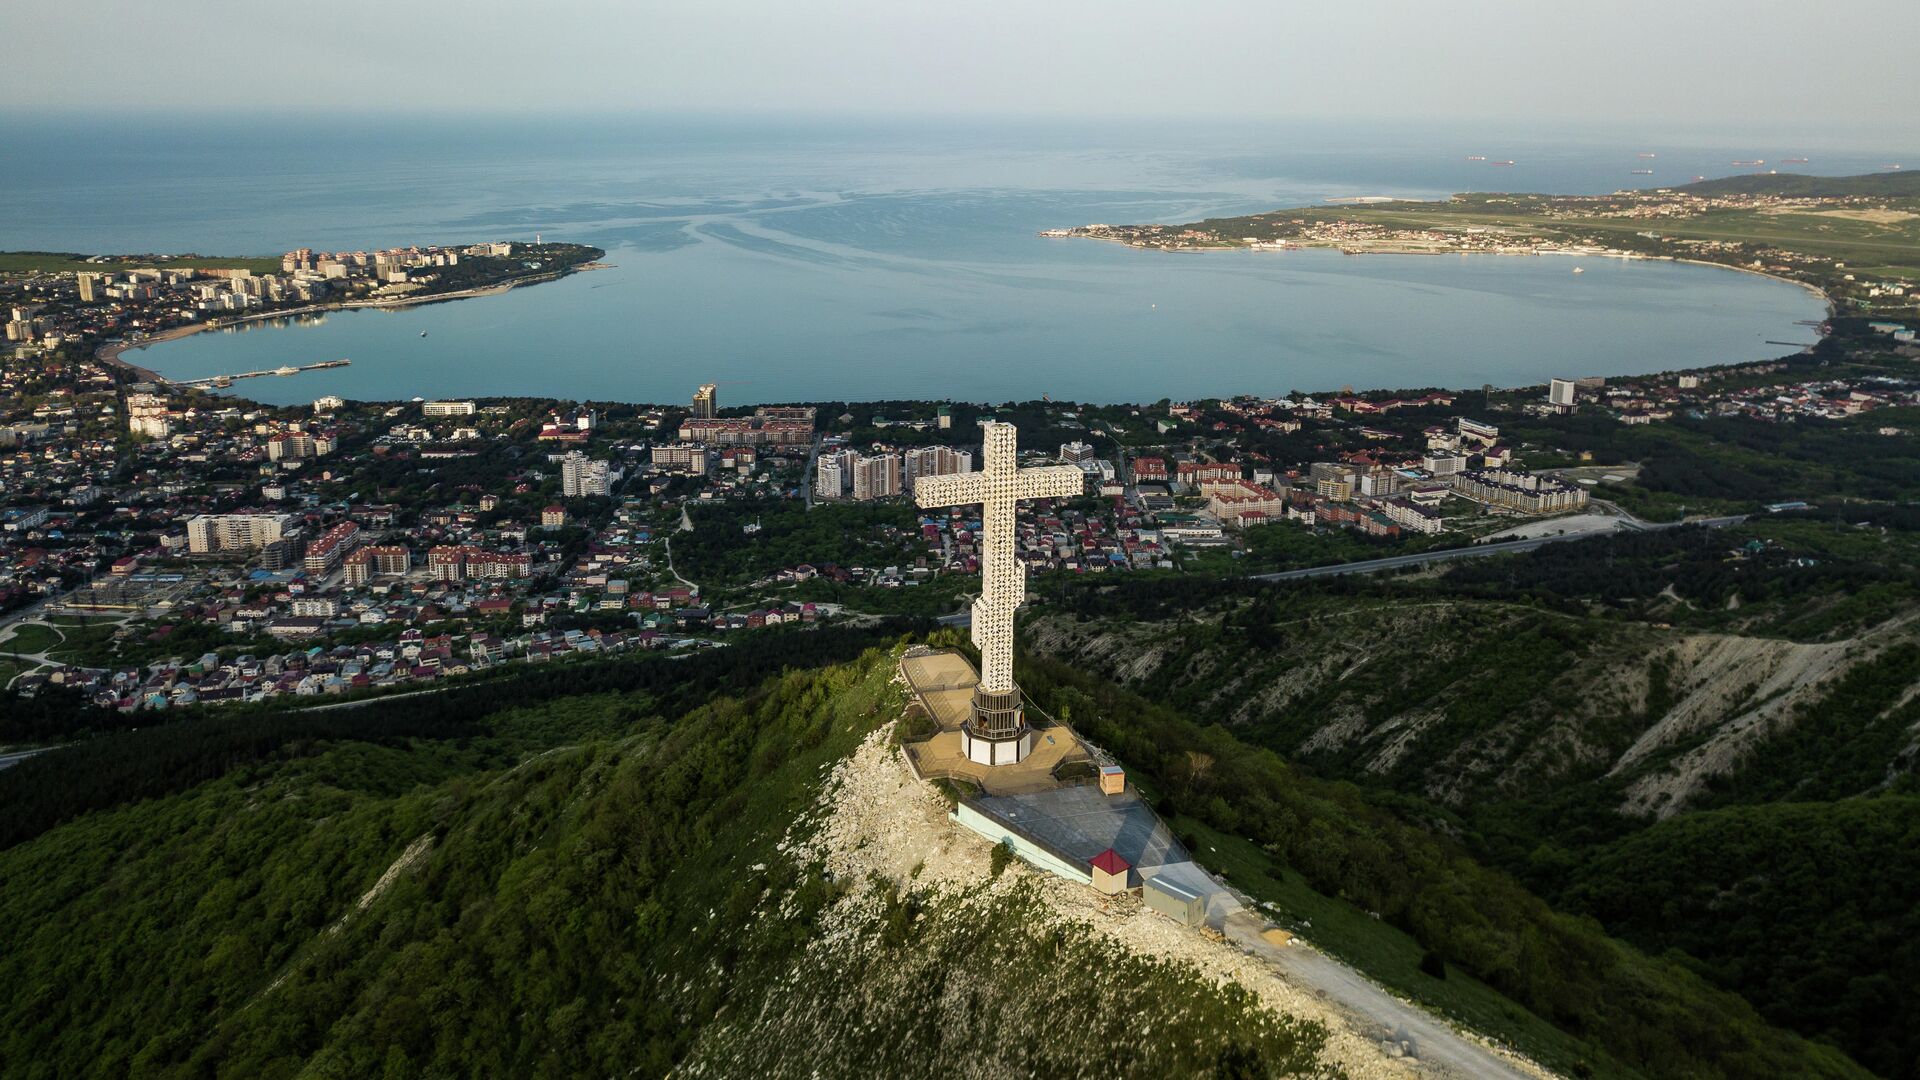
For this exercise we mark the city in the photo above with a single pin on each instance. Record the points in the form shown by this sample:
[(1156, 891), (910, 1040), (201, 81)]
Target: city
[(595, 540), (165, 546)]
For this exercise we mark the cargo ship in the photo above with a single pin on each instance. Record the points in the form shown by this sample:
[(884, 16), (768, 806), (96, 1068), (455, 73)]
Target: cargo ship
[(1499, 162), (1646, 154), (1476, 157), (1761, 161), (1643, 172), (1793, 161)]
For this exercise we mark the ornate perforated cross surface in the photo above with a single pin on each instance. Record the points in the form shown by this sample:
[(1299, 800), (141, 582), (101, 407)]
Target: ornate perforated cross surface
[(998, 487)]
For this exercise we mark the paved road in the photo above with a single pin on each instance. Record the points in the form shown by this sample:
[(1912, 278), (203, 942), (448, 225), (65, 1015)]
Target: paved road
[(1628, 523), (381, 699), (1396, 562), (16, 757), (1434, 1044), (806, 475)]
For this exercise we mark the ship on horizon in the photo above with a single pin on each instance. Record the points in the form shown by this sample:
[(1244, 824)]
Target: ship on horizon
[(1758, 161), (1476, 157), (1793, 161), (1643, 172), (1646, 154), (1499, 162)]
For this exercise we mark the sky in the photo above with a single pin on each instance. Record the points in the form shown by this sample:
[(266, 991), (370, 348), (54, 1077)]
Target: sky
[(1667, 65)]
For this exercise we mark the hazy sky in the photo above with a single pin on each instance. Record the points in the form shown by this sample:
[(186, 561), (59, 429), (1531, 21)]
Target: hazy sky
[(1700, 65)]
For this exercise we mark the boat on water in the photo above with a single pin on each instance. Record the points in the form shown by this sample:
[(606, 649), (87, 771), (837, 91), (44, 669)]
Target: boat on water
[(1476, 157), (423, 333), (1793, 161), (1579, 269), (1643, 172), (1758, 161), (1645, 154), (1499, 162)]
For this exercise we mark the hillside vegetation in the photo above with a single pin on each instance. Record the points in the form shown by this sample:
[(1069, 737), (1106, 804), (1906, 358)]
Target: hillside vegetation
[(580, 886), (1900, 184), (1601, 719), (629, 868)]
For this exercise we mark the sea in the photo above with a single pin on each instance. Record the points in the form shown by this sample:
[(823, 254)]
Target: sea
[(823, 259)]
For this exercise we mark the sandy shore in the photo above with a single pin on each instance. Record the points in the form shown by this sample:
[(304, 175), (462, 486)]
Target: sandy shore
[(113, 352)]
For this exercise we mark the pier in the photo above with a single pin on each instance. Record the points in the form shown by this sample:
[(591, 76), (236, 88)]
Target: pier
[(284, 369)]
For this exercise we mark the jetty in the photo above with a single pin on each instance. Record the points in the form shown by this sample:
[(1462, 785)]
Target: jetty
[(284, 369)]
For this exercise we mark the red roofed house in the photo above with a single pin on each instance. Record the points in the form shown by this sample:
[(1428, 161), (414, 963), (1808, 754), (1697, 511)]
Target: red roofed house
[(1110, 872)]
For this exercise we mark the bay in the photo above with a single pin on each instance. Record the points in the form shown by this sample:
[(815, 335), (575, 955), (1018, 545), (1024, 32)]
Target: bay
[(824, 260)]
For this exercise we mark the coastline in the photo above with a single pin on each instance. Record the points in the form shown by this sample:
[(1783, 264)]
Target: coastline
[(113, 353), (1387, 249)]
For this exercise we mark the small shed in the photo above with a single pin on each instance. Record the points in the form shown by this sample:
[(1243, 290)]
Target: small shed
[(1113, 780), (1110, 872), (1175, 901)]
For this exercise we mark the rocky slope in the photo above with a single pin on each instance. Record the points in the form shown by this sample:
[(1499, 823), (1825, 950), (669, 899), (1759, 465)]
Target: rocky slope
[(1465, 701)]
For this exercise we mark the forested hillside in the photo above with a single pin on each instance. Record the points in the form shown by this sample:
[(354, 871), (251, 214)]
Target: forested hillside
[(1798, 185), (606, 869), (1616, 722), (580, 886)]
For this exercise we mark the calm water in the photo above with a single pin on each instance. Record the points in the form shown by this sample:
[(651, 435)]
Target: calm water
[(817, 261)]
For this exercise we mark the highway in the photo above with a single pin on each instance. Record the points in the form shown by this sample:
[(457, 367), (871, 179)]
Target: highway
[(1473, 551), (18, 756), (1503, 547)]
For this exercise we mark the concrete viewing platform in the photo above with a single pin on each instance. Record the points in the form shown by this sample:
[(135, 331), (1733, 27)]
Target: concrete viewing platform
[(1061, 826), (942, 683)]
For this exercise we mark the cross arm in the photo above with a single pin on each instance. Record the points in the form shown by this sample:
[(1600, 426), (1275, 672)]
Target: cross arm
[(953, 489), (1052, 482)]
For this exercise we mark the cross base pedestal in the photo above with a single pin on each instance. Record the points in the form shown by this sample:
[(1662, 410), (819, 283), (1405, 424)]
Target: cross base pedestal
[(997, 732)]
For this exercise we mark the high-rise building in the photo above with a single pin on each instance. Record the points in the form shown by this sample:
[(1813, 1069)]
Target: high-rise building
[(1074, 453), (363, 565), (935, 461), (681, 457), (1560, 393), (235, 532), (86, 288), (706, 401), (581, 476), (334, 545), (876, 477), (833, 473), (292, 446), (147, 414)]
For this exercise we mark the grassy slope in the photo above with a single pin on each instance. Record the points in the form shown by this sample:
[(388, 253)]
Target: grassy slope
[(598, 900)]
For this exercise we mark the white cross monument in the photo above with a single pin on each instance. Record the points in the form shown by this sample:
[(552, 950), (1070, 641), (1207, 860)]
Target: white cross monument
[(997, 733)]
